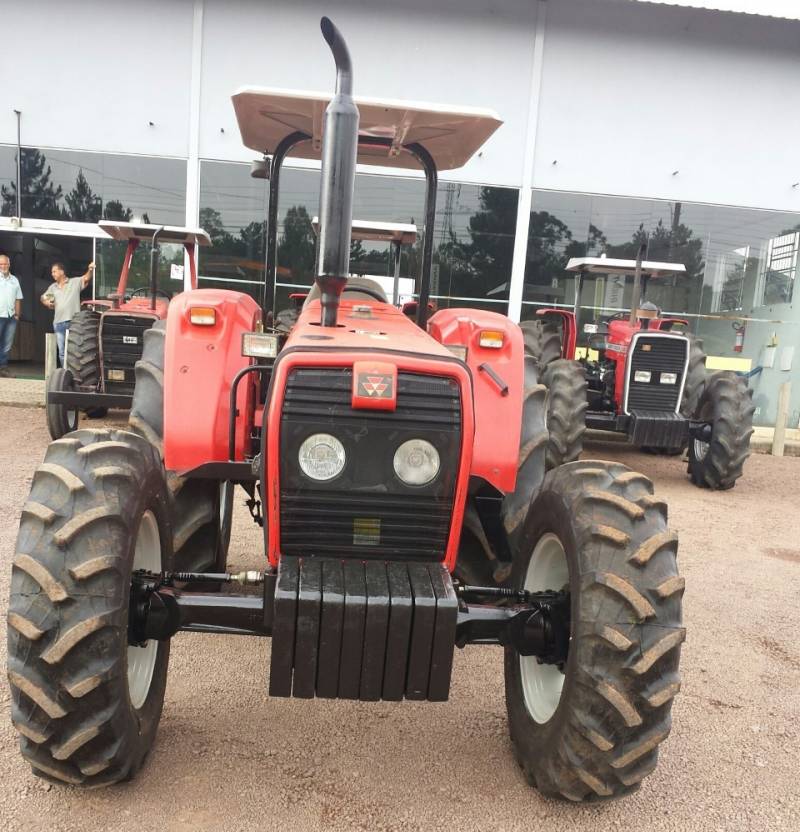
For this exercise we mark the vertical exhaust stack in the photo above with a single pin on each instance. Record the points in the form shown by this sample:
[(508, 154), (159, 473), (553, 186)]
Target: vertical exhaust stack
[(339, 148)]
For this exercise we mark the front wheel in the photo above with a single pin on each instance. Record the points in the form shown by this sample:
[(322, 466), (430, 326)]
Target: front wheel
[(591, 728), (85, 702), (61, 419), (726, 404)]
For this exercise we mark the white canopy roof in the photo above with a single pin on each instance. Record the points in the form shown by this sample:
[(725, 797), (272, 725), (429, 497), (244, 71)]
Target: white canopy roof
[(143, 231), (383, 232), (610, 265), (450, 134)]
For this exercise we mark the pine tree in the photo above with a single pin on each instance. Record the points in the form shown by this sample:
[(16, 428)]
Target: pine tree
[(82, 204), (115, 210), (297, 247), (40, 197)]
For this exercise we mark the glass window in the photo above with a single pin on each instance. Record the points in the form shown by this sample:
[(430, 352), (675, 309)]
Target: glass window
[(473, 234), (736, 294), (110, 254), (85, 187)]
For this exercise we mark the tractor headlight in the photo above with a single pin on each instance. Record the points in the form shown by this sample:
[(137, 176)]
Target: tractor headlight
[(642, 376), (321, 457), (669, 378), (416, 462)]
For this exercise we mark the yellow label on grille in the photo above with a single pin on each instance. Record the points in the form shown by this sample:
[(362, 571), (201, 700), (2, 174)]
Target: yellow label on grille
[(366, 531)]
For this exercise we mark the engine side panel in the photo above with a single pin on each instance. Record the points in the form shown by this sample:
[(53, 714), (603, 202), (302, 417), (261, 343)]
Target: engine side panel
[(497, 388), (200, 364)]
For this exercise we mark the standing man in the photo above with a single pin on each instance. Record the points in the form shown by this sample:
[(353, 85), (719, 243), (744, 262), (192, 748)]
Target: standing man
[(10, 311), (64, 296)]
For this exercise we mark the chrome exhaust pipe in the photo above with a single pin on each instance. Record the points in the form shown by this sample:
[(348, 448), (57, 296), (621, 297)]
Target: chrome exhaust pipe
[(339, 149)]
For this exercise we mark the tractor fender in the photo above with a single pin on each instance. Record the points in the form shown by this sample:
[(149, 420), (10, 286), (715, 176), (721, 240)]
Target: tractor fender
[(200, 363), (497, 374)]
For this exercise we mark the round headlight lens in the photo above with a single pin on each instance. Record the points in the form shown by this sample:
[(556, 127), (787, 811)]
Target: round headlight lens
[(416, 462), (321, 457)]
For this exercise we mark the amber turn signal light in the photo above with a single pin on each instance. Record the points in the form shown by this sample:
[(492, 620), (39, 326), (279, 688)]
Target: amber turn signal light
[(491, 339), (203, 315)]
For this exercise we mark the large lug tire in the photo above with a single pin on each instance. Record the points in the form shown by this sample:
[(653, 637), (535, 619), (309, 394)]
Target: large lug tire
[(60, 419), (532, 450), (727, 404), (83, 350), (201, 509), (85, 703), (566, 411), (542, 341), (592, 730), (696, 376)]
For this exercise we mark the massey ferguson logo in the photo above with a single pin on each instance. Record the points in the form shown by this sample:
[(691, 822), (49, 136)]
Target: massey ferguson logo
[(378, 387)]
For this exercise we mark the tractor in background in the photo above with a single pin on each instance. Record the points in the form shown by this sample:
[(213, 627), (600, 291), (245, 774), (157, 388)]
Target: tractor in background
[(640, 374), (106, 338), (397, 469)]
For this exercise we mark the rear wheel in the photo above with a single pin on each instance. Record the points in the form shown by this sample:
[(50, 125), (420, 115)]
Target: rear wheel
[(727, 405), (566, 410), (61, 419), (695, 377), (591, 729), (542, 341), (86, 703), (202, 509)]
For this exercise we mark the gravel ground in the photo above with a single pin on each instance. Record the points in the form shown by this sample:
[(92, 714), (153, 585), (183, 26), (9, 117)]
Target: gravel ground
[(226, 754)]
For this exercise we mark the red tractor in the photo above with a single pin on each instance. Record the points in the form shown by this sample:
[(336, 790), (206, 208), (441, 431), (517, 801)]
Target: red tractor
[(106, 337), (640, 374), (401, 470)]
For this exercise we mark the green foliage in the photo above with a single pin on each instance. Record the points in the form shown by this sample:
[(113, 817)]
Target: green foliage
[(82, 204), (297, 245), (40, 197)]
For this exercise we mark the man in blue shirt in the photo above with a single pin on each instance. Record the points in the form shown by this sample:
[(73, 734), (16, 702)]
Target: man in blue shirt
[(10, 311)]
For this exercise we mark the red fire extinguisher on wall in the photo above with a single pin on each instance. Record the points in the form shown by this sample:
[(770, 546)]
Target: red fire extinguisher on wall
[(738, 341)]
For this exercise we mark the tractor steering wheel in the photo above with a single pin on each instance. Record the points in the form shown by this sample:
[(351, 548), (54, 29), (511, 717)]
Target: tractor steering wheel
[(144, 291)]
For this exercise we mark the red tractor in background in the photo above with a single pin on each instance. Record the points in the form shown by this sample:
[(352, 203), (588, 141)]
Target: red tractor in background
[(406, 510), (647, 379), (106, 337)]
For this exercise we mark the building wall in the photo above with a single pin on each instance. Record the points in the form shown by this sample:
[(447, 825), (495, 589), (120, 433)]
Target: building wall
[(629, 92)]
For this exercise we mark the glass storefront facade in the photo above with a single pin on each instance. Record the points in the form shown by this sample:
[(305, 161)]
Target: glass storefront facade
[(738, 294), (473, 234)]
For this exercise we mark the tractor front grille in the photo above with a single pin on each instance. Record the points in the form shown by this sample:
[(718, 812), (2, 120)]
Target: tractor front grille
[(122, 340), (367, 512), (656, 354)]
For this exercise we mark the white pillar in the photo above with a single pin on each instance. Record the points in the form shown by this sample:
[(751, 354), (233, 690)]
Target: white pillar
[(524, 203), (193, 162)]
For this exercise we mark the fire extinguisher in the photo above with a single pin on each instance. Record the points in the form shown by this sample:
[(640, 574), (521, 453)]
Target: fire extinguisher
[(738, 341)]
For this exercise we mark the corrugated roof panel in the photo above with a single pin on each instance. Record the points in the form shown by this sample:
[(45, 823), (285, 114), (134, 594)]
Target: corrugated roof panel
[(786, 9)]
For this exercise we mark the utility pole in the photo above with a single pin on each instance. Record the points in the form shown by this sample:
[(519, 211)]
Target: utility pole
[(19, 163)]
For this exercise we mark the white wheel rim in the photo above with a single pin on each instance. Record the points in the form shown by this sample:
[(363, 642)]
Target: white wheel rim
[(700, 449), (142, 660), (542, 683), (72, 419)]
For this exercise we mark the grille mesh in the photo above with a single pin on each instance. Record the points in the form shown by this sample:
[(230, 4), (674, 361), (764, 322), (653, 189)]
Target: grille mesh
[(119, 355), (657, 354), (368, 513)]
